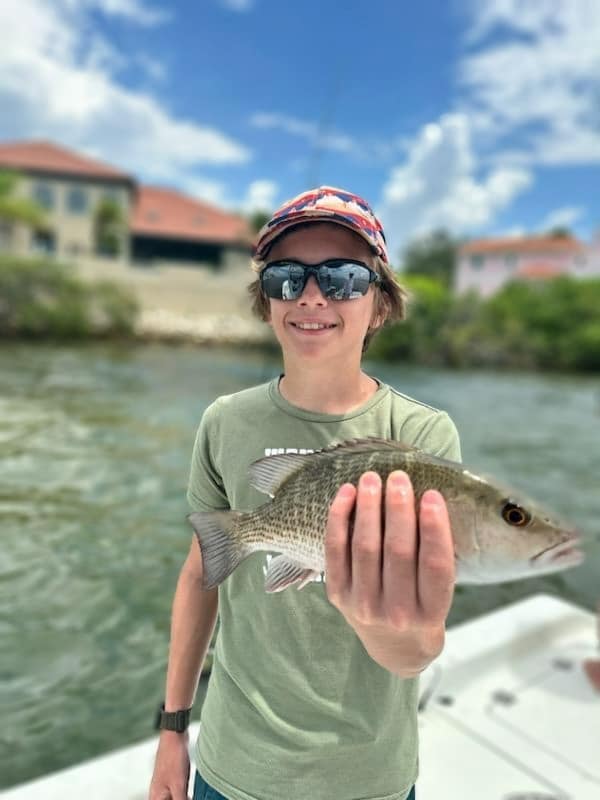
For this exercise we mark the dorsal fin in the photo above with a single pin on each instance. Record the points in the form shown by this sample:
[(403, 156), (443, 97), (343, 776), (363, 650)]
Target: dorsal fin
[(367, 445), (268, 473)]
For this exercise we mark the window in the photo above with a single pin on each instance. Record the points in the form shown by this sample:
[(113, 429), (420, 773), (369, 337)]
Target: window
[(43, 242), (43, 194), (477, 261), (77, 200)]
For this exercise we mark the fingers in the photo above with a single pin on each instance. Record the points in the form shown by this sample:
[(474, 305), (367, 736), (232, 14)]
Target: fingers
[(404, 573), (337, 544), (436, 573), (400, 550), (366, 548)]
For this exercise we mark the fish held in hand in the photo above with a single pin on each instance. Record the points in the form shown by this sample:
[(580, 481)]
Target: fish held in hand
[(498, 534)]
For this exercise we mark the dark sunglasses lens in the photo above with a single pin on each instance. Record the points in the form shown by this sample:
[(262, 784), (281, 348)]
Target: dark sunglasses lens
[(283, 282), (338, 281), (345, 282)]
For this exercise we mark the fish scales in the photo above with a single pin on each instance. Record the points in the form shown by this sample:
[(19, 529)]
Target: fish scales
[(498, 534), (297, 516)]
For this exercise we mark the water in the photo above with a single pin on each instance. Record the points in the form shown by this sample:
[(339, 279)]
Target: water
[(95, 445)]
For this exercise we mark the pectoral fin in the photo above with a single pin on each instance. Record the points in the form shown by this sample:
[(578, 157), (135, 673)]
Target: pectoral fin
[(282, 572)]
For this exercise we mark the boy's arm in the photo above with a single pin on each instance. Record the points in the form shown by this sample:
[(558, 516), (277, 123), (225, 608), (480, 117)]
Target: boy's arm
[(193, 621)]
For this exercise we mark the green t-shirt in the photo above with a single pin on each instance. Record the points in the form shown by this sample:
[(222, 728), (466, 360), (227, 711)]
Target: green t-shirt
[(295, 707)]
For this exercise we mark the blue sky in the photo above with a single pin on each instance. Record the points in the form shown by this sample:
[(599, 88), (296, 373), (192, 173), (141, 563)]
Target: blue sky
[(480, 117)]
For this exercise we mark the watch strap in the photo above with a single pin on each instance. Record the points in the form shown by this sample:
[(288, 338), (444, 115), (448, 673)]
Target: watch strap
[(173, 720)]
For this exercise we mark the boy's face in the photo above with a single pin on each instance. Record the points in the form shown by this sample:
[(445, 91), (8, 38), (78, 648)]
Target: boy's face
[(346, 321)]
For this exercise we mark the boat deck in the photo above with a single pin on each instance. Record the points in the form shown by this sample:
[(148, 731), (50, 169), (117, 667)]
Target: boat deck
[(507, 713)]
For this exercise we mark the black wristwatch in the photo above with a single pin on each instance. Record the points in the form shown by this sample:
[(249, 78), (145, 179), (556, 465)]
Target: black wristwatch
[(172, 720)]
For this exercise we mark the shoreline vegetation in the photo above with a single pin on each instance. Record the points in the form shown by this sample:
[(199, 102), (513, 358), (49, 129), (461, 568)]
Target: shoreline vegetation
[(545, 325)]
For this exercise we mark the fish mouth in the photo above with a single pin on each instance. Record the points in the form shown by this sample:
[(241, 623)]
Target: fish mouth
[(562, 554)]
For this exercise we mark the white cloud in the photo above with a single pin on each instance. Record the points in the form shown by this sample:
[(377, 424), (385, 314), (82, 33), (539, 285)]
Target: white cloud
[(526, 16), (514, 232), (370, 150), (309, 130), (135, 10), (153, 68), (540, 80), (57, 81), (212, 191), (238, 5), (438, 187), (260, 196), (562, 217)]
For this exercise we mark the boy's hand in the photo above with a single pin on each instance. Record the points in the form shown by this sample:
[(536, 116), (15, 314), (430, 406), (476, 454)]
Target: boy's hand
[(171, 768), (393, 577)]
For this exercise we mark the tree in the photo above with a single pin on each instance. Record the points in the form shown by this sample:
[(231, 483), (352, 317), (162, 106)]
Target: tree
[(18, 209), (109, 227), (417, 338), (432, 256), (258, 218), (559, 232)]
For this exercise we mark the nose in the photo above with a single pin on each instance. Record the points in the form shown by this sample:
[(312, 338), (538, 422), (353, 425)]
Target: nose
[(312, 295)]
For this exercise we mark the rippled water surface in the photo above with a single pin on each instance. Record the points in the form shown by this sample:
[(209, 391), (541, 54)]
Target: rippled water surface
[(95, 445)]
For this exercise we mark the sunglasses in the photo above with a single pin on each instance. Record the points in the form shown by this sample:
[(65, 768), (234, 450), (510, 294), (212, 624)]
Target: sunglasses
[(338, 279)]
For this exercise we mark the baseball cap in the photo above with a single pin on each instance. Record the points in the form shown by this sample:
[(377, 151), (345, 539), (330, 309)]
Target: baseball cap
[(325, 204)]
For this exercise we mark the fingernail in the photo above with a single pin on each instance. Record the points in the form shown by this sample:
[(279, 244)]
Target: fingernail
[(346, 491), (370, 482), (398, 483), (431, 500)]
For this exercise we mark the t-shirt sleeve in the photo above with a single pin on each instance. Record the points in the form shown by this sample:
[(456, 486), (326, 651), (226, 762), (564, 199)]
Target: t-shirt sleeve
[(205, 491), (439, 437)]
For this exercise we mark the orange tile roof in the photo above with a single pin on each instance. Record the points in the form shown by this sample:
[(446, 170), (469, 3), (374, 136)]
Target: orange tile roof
[(539, 269), (39, 156), (529, 244), (170, 214)]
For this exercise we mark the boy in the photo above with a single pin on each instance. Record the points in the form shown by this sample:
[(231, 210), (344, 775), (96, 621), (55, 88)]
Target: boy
[(313, 693)]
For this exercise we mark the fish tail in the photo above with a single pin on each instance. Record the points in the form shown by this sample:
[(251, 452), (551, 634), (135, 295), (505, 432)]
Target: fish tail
[(220, 544)]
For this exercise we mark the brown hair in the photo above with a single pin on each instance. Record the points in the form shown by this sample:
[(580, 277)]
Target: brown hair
[(389, 303)]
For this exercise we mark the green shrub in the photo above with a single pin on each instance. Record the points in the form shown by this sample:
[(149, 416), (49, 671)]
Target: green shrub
[(115, 309), (43, 298), (552, 324)]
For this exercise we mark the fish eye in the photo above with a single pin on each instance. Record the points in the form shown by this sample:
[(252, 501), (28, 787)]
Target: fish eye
[(513, 514)]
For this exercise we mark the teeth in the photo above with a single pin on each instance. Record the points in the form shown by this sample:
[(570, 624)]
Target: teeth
[(310, 326)]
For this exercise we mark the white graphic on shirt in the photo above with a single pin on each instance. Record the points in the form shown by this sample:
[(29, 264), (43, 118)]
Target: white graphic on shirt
[(280, 451)]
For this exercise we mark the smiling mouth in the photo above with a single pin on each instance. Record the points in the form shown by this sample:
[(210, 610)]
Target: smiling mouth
[(312, 326)]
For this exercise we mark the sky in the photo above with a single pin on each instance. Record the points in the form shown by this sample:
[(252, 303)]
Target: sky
[(478, 116)]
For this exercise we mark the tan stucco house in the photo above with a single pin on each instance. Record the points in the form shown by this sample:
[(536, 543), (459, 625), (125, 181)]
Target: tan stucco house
[(161, 224), (68, 187)]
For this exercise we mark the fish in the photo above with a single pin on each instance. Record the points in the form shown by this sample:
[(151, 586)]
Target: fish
[(498, 534)]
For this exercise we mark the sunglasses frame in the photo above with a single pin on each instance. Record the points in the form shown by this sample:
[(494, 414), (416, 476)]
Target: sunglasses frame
[(314, 270)]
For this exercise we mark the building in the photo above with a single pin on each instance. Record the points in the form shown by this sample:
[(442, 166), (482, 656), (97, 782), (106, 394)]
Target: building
[(68, 187), (172, 227), (485, 265), (160, 224)]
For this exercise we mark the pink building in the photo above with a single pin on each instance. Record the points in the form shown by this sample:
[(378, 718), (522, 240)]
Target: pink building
[(484, 265)]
